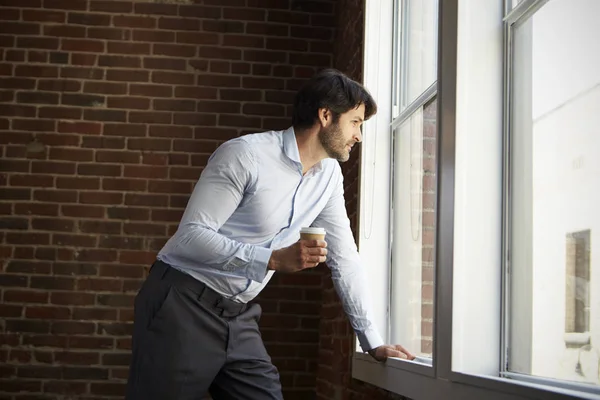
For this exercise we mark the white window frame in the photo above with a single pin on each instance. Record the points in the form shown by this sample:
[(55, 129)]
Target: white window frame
[(471, 92)]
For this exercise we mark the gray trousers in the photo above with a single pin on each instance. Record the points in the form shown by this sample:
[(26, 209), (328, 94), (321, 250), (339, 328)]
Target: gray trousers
[(188, 341)]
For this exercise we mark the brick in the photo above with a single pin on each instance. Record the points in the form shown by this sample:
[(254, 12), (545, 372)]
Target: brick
[(100, 285), (82, 211), (259, 28), (96, 314), (223, 26), (129, 185), (37, 312), (34, 124), (82, 73), (63, 387), (111, 6), (132, 171), (44, 16), (150, 90), (197, 38), (174, 105), (137, 257), (62, 85), (25, 296), (188, 173), (66, 4), (115, 328), (220, 107), (85, 342), (134, 103), (174, 50), (60, 113), (120, 157), (195, 119), (37, 97), (127, 75), (179, 24), (213, 133), (265, 56), (53, 167), (170, 131), (71, 155), (149, 200), (310, 59), (116, 300), (105, 87), (116, 359), (14, 223), (99, 170), (221, 67), (199, 65), (116, 242), (156, 36), (144, 229), (98, 197), (38, 43), (29, 238), (19, 28), (78, 183), (83, 45), (134, 22), (96, 255), (263, 109), (240, 121), (52, 224), (109, 34), (64, 31), (74, 240), (103, 142), (165, 64), (29, 266), (72, 328), (105, 227), (119, 61), (155, 9), (154, 159), (17, 111), (83, 100), (105, 115), (55, 196), (13, 166), (128, 213), (196, 11), (17, 83), (88, 19), (31, 180), (128, 48), (36, 209), (244, 41), (191, 92), (219, 81), (222, 53)]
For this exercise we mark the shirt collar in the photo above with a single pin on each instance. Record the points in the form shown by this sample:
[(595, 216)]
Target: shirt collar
[(290, 148)]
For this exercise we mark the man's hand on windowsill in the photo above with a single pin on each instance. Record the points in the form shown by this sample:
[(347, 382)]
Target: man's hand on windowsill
[(381, 353)]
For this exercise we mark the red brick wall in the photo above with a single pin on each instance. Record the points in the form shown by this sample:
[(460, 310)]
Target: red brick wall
[(108, 112)]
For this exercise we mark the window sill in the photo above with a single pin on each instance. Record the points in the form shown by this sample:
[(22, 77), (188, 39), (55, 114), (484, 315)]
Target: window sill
[(416, 381)]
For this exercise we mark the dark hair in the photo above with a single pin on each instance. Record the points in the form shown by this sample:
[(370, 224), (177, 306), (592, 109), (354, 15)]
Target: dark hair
[(334, 91)]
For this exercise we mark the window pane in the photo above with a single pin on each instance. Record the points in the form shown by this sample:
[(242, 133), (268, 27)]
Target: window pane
[(413, 246), (555, 185), (417, 49)]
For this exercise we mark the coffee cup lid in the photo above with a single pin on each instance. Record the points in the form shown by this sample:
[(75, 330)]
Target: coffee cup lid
[(313, 231)]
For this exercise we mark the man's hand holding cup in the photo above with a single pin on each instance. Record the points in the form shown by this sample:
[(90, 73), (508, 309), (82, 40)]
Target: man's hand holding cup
[(308, 252)]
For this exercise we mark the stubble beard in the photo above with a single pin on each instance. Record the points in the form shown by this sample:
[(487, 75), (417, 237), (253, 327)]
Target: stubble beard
[(332, 140)]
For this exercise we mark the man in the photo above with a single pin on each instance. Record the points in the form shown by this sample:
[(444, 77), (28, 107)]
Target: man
[(195, 328)]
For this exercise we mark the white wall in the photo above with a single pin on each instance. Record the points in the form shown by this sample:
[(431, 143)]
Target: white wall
[(566, 174)]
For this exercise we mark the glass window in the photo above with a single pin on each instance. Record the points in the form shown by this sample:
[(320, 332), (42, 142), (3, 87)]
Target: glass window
[(414, 195), (554, 186), (416, 50)]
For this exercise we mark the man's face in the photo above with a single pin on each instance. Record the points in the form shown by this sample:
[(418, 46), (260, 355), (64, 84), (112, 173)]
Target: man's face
[(337, 138)]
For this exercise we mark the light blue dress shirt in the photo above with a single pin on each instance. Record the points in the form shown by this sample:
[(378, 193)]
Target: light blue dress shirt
[(251, 199)]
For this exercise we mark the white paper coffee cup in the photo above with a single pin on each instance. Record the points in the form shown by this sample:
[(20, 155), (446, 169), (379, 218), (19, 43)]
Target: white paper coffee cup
[(312, 233)]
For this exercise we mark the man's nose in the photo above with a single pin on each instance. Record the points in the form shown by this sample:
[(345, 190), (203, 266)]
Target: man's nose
[(358, 135)]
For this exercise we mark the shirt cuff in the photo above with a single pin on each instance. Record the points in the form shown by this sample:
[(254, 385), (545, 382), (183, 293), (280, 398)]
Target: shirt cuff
[(257, 270), (370, 339)]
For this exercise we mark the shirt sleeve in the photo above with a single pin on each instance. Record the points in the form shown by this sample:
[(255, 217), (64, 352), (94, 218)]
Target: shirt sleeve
[(347, 273), (230, 173)]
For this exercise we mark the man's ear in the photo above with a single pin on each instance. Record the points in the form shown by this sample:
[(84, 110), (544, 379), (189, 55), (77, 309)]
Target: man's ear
[(325, 117)]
